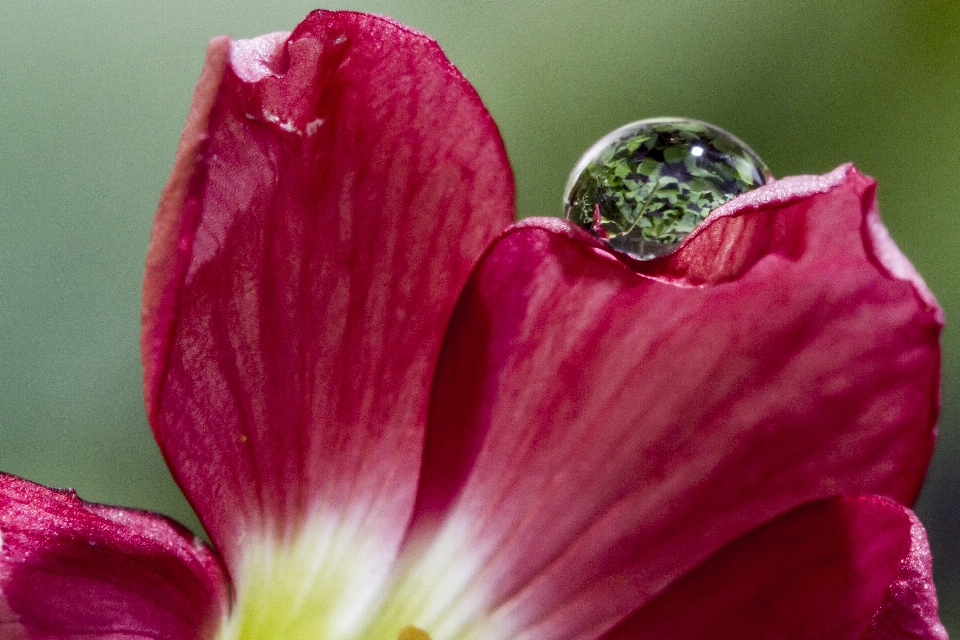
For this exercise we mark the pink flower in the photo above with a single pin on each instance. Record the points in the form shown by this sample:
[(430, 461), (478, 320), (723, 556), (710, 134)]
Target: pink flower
[(392, 428)]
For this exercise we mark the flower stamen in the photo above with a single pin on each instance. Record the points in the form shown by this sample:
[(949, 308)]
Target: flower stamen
[(411, 632)]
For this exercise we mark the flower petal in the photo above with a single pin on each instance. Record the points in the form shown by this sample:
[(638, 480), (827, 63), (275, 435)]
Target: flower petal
[(71, 569), (330, 196), (613, 429), (841, 568)]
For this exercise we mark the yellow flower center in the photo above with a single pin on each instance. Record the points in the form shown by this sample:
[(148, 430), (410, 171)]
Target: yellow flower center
[(335, 580)]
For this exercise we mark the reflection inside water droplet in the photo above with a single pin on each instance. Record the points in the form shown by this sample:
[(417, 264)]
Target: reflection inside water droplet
[(643, 188)]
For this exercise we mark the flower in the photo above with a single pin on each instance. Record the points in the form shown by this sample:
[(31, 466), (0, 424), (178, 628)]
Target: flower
[(395, 419)]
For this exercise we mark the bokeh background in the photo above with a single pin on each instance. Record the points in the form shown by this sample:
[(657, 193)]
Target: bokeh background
[(93, 94)]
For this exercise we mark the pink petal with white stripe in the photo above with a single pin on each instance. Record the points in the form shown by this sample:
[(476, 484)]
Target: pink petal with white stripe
[(595, 432), (332, 191)]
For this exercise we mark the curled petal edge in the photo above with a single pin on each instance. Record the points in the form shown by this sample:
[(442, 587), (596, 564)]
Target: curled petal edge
[(70, 568)]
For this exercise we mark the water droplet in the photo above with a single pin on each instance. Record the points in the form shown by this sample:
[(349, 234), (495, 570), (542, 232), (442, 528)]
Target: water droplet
[(643, 188)]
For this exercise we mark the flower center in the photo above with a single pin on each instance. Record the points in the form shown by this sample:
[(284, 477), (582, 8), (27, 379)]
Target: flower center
[(339, 582)]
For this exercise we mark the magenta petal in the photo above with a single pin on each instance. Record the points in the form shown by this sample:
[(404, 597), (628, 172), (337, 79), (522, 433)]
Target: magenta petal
[(613, 429), (330, 196), (909, 608), (832, 569), (70, 569)]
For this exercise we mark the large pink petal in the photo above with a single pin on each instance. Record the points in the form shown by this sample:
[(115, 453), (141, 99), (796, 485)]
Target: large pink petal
[(330, 196), (838, 569), (611, 429), (74, 570)]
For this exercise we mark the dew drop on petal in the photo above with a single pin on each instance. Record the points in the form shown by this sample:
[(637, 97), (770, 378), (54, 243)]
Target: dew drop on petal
[(643, 188)]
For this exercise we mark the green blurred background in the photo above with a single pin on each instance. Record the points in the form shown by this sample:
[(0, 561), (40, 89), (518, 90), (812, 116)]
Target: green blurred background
[(93, 94)]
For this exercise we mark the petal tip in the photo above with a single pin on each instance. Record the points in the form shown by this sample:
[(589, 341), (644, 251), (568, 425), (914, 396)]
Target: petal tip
[(254, 59), (892, 260), (880, 246), (909, 607)]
